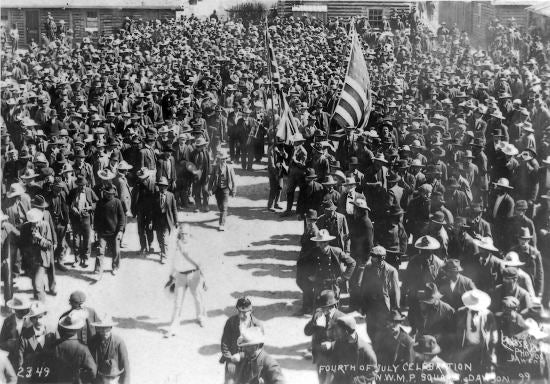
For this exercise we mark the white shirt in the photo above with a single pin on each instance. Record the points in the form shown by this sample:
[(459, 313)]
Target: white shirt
[(453, 285), (473, 337)]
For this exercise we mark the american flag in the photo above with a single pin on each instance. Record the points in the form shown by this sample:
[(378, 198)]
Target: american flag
[(287, 127), (353, 108)]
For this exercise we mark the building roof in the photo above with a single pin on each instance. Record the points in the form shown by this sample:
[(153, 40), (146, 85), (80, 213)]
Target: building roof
[(309, 8), (540, 9), (134, 4), (522, 3)]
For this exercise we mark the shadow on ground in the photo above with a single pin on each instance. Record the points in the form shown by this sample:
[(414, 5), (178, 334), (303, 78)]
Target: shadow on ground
[(262, 312), (287, 295), (287, 239), (269, 269), (260, 254)]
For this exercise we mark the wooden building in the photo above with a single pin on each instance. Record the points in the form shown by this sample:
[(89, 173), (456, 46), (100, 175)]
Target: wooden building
[(373, 10), (82, 16), (474, 16)]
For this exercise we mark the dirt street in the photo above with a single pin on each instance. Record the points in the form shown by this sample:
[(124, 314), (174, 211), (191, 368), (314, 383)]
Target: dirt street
[(255, 256)]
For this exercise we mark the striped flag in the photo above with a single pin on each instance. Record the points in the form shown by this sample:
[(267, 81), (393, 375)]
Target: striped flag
[(273, 69), (353, 108), (287, 127)]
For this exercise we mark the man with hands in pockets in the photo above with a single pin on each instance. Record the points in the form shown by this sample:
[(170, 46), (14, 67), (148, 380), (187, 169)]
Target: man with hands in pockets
[(186, 273)]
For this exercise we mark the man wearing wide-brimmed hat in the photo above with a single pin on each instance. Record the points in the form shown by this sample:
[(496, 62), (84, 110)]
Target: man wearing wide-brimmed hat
[(142, 207), (165, 216), (222, 185), (82, 202), (500, 211), (476, 332), (510, 287), (427, 350), (320, 328), (14, 326), (35, 339), (336, 225), (393, 345), (201, 159), (74, 361), (379, 290), (109, 225), (322, 264), (36, 246), (531, 257), (109, 352), (256, 364)]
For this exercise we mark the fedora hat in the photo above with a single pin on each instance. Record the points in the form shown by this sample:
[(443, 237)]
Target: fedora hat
[(310, 174), (361, 204), (110, 369), (512, 260), (350, 181), (485, 243), (16, 189), (438, 218), (110, 189), (427, 242), (106, 174), (509, 149), (327, 298), (201, 141), (525, 233), (453, 265), (36, 308), (74, 320), (104, 321), (251, 336), (18, 303), (29, 174), (476, 300), (322, 235), (430, 294), (417, 163), (163, 181), (380, 157), (311, 214), (39, 202), (34, 215), (329, 180), (503, 183), (393, 177), (123, 165), (329, 204)]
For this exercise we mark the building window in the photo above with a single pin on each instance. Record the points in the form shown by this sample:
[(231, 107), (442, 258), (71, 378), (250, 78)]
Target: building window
[(375, 18), (92, 21)]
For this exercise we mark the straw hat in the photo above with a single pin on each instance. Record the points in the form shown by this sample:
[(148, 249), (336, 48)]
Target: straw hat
[(105, 321), (427, 242), (16, 189), (34, 215), (106, 174), (323, 235), (512, 260), (37, 308), (18, 303), (74, 320), (486, 243), (476, 300), (503, 183)]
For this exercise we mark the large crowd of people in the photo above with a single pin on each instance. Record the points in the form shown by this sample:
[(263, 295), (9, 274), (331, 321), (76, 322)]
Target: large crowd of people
[(451, 175)]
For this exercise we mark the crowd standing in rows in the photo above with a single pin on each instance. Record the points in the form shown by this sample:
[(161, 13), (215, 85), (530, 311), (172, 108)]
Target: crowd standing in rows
[(450, 174)]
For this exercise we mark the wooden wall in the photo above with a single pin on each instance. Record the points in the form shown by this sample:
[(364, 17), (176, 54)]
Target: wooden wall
[(110, 20)]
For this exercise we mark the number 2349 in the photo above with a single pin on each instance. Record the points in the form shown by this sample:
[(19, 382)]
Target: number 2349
[(33, 371)]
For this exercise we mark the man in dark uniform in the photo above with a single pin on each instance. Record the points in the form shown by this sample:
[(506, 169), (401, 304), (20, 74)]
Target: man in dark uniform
[(142, 208), (165, 218), (201, 159)]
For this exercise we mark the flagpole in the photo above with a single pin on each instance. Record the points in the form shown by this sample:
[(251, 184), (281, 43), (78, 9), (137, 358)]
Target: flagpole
[(352, 31), (270, 78)]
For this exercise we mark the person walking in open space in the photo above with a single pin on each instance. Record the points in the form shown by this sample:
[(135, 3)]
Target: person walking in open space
[(186, 272), (222, 185)]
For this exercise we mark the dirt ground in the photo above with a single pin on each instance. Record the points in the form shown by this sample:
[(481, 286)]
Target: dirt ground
[(255, 256)]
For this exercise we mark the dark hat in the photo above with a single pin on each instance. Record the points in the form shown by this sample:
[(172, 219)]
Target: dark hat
[(327, 298), (39, 202), (163, 181), (439, 218), (329, 204), (310, 174), (461, 222), (353, 161), (521, 204), (395, 210), (393, 177), (79, 153), (109, 188), (311, 214)]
